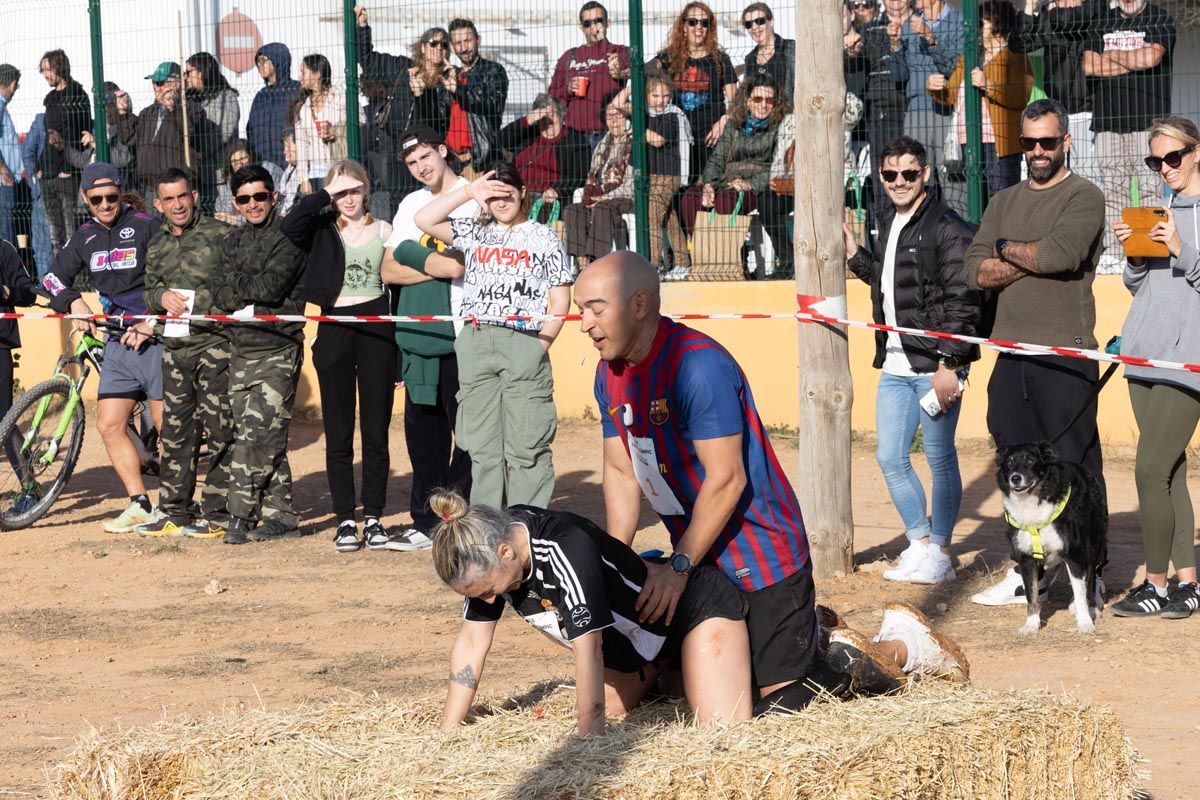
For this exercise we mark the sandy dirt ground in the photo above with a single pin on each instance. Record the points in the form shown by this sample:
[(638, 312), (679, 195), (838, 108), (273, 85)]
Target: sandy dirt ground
[(101, 630)]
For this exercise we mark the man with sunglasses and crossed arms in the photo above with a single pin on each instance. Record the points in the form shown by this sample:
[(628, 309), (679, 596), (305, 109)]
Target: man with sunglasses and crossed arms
[(585, 75), (111, 246), (1038, 247)]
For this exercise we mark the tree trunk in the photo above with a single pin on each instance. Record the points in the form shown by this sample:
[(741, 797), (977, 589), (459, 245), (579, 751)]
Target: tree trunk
[(826, 392)]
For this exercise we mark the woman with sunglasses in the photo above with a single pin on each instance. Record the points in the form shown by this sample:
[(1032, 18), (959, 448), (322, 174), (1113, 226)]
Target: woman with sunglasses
[(432, 80), (1164, 323), (355, 361), (704, 78), (318, 116), (741, 164), (1004, 81), (207, 88)]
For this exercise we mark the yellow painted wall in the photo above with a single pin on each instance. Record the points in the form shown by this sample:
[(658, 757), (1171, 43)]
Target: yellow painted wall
[(766, 349)]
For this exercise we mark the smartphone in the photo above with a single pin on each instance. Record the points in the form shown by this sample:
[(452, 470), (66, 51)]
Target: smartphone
[(1139, 244), (930, 404)]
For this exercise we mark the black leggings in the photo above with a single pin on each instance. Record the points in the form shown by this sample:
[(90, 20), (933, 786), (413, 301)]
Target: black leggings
[(362, 357)]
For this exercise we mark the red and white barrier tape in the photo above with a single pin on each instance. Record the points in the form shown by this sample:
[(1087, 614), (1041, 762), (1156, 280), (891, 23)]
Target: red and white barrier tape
[(813, 308)]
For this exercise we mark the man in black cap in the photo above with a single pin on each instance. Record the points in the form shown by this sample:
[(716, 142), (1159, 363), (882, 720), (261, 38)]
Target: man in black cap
[(156, 134), (430, 369), (111, 245)]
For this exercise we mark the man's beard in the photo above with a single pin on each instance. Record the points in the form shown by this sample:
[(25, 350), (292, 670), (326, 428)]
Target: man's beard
[(1048, 171)]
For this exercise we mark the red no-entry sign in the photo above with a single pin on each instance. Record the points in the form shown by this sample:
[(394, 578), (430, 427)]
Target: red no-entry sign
[(238, 39)]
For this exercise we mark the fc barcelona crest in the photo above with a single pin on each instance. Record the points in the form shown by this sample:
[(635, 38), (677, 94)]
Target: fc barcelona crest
[(659, 414)]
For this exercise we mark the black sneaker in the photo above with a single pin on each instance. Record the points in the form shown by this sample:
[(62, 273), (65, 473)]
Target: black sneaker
[(376, 535), (870, 672), (1144, 601), (272, 529), (1182, 601), (347, 540), (237, 531)]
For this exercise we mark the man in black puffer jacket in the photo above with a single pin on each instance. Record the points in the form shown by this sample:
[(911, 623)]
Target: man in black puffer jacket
[(918, 280)]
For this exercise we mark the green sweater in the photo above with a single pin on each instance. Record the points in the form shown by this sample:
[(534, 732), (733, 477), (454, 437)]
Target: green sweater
[(1054, 305), (423, 343)]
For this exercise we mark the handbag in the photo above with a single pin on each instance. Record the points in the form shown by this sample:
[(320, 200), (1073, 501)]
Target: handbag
[(554, 221), (952, 152), (717, 244)]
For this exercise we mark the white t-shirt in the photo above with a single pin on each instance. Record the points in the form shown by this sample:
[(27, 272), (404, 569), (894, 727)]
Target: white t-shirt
[(895, 361), (404, 229), (510, 271)]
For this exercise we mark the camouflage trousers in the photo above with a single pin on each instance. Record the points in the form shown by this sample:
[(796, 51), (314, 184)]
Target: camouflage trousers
[(262, 391), (195, 403)]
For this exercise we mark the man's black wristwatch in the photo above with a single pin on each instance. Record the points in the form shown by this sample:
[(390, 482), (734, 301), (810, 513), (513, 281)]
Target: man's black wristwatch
[(1000, 245), (950, 362), (680, 564)]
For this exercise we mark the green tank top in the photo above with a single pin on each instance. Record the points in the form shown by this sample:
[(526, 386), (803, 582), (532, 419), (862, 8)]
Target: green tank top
[(361, 281)]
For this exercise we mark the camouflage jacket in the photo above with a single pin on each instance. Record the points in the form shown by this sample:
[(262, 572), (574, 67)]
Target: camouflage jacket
[(188, 261), (261, 267)]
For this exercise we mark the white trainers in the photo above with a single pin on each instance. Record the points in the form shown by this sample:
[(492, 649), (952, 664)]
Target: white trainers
[(411, 539), (908, 561), (1010, 591), (131, 518), (936, 654), (935, 567)]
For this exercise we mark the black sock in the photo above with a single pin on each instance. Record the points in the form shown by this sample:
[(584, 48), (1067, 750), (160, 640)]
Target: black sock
[(142, 500), (796, 696)]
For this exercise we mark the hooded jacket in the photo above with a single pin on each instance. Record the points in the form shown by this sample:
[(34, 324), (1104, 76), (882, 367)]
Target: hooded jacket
[(268, 112), (1164, 320), (115, 257), (262, 268), (937, 299), (311, 225)]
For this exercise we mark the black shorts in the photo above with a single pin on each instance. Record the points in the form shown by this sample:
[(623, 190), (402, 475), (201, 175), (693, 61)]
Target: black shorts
[(782, 623), (708, 595)]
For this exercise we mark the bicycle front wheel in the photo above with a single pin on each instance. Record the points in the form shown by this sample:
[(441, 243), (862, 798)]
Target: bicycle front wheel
[(41, 446)]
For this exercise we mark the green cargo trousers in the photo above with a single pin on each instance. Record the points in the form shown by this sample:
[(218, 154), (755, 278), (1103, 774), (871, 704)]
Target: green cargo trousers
[(506, 415)]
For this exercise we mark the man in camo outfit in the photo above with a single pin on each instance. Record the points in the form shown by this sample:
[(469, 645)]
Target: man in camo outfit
[(260, 274), (181, 261)]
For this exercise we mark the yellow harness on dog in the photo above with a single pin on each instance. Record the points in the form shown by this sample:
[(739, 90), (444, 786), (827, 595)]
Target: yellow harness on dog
[(1035, 531)]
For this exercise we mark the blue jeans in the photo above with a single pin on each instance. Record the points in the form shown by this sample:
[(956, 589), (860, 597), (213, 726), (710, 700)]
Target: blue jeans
[(897, 414), (43, 247), (7, 202)]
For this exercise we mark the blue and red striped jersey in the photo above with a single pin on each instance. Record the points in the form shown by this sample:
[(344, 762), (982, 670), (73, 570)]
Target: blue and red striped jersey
[(690, 388)]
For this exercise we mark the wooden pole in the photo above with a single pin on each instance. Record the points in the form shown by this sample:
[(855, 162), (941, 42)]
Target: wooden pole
[(826, 391), (187, 139)]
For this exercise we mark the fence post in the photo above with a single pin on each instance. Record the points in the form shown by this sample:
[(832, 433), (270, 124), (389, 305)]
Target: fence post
[(974, 120), (350, 36), (641, 178), (100, 124)]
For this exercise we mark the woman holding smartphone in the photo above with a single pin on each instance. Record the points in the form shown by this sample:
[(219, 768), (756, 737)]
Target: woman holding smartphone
[(1164, 323)]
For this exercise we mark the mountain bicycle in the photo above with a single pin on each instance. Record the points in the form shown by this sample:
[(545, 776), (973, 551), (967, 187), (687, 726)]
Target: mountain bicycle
[(43, 434)]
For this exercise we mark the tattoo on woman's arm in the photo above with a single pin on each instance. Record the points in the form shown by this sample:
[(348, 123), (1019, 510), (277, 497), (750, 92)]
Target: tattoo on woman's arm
[(465, 677)]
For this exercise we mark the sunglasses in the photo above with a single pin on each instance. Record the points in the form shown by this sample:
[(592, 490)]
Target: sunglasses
[(890, 175), (442, 43), (100, 199), (694, 21), (750, 23), (258, 197), (589, 23), (762, 99), (1048, 143), (1172, 159)]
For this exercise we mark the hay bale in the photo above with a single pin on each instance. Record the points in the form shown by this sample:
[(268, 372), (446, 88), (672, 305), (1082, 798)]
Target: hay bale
[(932, 742)]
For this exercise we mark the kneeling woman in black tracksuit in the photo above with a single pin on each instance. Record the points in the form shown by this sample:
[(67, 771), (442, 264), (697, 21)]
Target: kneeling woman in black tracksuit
[(345, 250), (580, 586)]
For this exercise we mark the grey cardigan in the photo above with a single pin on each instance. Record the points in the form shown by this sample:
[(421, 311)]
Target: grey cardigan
[(1164, 320)]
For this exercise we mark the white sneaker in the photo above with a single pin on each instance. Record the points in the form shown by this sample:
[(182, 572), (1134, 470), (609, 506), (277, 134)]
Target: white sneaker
[(936, 654), (1010, 591), (411, 539), (679, 273), (936, 567), (908, 561)]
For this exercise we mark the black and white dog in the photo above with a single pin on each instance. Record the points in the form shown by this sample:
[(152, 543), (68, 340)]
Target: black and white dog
[(1055, 512)]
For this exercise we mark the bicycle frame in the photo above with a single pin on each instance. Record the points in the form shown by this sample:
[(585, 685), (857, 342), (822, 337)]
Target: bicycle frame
[(85, 356)]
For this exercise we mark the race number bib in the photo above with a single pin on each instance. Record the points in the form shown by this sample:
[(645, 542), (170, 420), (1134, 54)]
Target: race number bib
[(645, 469), (547, 623)]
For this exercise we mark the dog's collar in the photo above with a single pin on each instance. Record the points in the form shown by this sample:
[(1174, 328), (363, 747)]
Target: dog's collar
[(1035, 531)]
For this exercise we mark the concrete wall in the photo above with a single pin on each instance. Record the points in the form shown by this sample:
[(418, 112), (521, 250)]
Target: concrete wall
[(766, 349)]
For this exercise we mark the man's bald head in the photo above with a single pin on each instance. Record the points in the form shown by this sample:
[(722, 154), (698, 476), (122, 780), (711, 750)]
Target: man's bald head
[(619, 298)]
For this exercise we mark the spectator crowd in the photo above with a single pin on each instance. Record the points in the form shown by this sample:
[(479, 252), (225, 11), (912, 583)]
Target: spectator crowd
[(453, 213)]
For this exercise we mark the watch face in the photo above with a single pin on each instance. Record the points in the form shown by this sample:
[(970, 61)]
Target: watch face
[(680, 563)]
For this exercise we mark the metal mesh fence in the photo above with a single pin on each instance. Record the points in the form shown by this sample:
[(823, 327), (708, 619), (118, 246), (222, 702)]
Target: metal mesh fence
[(537, 97)]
